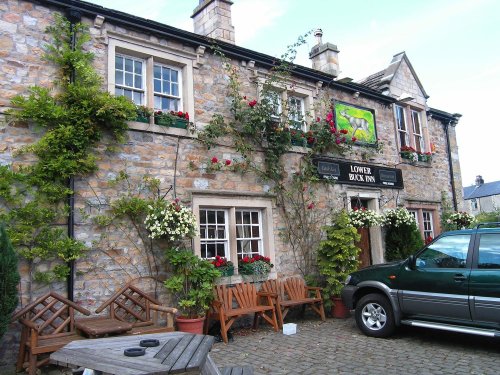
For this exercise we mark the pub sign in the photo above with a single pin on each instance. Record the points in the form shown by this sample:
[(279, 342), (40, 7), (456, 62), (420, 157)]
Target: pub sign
[(344, 172)]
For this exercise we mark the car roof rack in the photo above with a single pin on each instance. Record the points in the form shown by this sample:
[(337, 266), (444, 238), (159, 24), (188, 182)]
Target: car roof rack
[(490, 224)]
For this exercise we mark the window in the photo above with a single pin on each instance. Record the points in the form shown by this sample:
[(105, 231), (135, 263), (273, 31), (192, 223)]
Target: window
[(157, 76), (447, 252), (296, 112), (233, 226), (417, 131), (428, 224), (273, 100), (248, 233), (489, 251), (402, 131), (473, 204), (129, 78), (214, 239), (167, 82), (415, 215)]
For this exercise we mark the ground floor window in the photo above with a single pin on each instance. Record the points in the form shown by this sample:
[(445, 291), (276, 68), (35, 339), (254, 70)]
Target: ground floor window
[(234, 228), (426, 221)]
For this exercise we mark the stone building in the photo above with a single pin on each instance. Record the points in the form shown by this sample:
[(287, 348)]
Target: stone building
[(482, 197), (138, 57)]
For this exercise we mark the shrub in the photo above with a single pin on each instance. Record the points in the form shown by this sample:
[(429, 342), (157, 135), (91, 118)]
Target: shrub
[(402, 236), (9, 278)]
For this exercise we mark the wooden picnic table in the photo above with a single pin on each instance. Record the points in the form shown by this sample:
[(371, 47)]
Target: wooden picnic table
[(178, 353)]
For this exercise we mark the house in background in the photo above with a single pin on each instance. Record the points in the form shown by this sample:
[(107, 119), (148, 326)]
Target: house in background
[(482, 197)]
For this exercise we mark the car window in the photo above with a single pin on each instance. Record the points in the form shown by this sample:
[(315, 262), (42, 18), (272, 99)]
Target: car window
[(446, 252), (489, 251)]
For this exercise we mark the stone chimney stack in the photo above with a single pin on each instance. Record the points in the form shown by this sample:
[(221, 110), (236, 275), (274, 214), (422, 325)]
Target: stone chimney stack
[(479, 180), (324, 56), (212, 18)]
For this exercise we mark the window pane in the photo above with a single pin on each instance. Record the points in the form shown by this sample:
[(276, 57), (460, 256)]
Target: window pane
[(239, 220), (220, 250), (138, 67), (137, 97), (157, 72), (129, 63), (166, 87), (210, 250), (246, 217), (138, 82), (118, 78), (129, 79), (211, 216), (255, 231), (447, 252), (119, 62), (255, 217), (211, 231), (128, 93), (174, 75), (489, 251), (175, 89), (118, 91), (157, 85), (255, 246), (220, 217)]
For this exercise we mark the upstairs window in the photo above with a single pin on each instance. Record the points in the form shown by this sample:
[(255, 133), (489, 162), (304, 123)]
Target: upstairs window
[(417, 131), (296, 112), (402, 130), (129, 78), (167, 88)]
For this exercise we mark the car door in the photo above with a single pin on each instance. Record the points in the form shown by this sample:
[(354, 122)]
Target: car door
[(438, 284), (485, 279)]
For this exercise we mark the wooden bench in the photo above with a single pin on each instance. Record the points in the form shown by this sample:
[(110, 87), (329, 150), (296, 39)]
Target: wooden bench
[(294, 292), (241, 299), (132, 305), (237, 370), (48, 324)]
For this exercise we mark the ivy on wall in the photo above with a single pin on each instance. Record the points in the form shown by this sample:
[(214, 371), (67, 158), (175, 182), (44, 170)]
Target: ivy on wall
[(74, 116)]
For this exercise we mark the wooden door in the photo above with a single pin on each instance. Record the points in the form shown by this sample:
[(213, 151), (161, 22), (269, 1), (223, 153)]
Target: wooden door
[(364, 244)]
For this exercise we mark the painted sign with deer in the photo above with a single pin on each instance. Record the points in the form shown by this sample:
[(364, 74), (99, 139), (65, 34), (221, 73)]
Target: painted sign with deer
[(358, 121)]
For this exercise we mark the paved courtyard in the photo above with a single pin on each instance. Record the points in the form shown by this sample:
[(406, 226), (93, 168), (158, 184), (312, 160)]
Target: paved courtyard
[(337, 347)]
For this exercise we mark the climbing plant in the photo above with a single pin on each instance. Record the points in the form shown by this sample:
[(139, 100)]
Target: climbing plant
[(74, 115), (9, 278)]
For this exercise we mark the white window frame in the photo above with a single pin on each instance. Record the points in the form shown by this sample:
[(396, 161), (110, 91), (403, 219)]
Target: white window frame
[(232, 203), (402, 126), (216, 240), (124, 86), (428, 224), (164, 95), (258, 238), (298, 116), (415, 215), (418, 137), (154, 53)]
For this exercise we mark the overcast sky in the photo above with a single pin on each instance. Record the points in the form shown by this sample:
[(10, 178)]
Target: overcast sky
[(453, 46)]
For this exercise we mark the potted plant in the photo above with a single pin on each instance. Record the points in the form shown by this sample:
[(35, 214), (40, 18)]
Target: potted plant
[(364, 218), (256, 265), (143, 113), (191, 284), (175, 119), (337, 258), (226, 267), (298, 138), (409, 153), (425, 157)]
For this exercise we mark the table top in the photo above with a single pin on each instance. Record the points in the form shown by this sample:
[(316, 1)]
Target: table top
[(178, 353), (102, 326)]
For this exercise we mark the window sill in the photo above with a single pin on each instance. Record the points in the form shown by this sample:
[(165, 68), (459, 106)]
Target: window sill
[(152, 128), (423, 164), (228, 280)]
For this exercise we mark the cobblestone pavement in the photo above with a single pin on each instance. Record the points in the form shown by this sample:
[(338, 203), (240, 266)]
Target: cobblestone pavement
[(338, 347)]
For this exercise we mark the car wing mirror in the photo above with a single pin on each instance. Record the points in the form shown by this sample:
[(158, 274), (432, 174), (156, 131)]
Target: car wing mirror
[(412, 262)]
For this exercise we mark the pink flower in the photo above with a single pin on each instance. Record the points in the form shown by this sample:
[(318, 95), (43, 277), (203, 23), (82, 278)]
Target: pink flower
[(337, 141), (228, 162), (215, 160), (318, 119), (252, 103), (329, 116)]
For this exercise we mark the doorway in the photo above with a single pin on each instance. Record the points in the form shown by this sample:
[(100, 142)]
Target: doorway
[(365, 256)]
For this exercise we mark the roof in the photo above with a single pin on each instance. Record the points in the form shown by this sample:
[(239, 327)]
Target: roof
[(485, 190), (381, 80)]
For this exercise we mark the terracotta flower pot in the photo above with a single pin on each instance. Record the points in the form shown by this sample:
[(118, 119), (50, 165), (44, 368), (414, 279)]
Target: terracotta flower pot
[(339, 309), (194, 325)]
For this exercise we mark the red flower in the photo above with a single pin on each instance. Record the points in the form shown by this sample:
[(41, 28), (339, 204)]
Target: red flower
[(310, 206), (343, 131), (318, 119), (252, 103), (228, 162), (329, 116), (215, 160), (354, 139), (186, 115), (245, 97), (337, 141)]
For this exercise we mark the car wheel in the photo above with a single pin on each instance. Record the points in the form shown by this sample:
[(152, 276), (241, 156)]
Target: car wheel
[(374, 316)]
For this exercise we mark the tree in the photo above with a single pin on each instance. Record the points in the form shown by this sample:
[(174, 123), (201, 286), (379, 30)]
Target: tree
[(9, 279)]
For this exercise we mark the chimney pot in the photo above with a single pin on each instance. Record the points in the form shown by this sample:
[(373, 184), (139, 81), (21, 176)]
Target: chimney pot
[(479, 180), (324, 56), (318, 33)]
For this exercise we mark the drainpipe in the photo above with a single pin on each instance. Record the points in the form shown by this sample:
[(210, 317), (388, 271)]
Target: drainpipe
[(73, 16), (450, 163)]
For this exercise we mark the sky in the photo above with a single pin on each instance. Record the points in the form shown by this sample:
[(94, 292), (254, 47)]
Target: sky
[(453, 46)]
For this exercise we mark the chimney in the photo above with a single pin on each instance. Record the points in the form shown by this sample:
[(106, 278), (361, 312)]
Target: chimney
[(324, 56), (212, 18), (479, 180)]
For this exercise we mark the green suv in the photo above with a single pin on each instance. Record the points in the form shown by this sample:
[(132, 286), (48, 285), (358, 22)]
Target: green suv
[(452, 284)]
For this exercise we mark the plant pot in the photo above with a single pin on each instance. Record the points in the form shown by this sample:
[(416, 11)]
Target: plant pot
[(142, 119), (190, 325), (180, 123), (228, 271), (298, 142), (339, 309), (163, 121)]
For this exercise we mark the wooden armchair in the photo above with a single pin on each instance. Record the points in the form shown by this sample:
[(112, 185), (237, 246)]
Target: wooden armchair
[(47, 325), (294, 292), (132, 305), (241, 299)]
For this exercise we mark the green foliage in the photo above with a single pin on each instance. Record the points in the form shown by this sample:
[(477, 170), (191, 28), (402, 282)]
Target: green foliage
[(9, 278), (487, 217), (337, 255), (446, 212), (401, 241), (192, 282)]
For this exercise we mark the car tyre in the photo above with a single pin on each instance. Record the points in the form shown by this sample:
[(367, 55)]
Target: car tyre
[(374, 316)]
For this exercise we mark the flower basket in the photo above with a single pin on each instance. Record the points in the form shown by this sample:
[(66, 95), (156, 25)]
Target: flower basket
[(256, 265), (142, 119), (297, 138), (227, 271), (224, 266), (143, 113), (426, 157), (363, 218), (172, 119), (409, 153)]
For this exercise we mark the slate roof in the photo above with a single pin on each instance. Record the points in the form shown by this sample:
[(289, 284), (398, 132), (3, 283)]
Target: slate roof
[(373, 81), (485, 190)]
